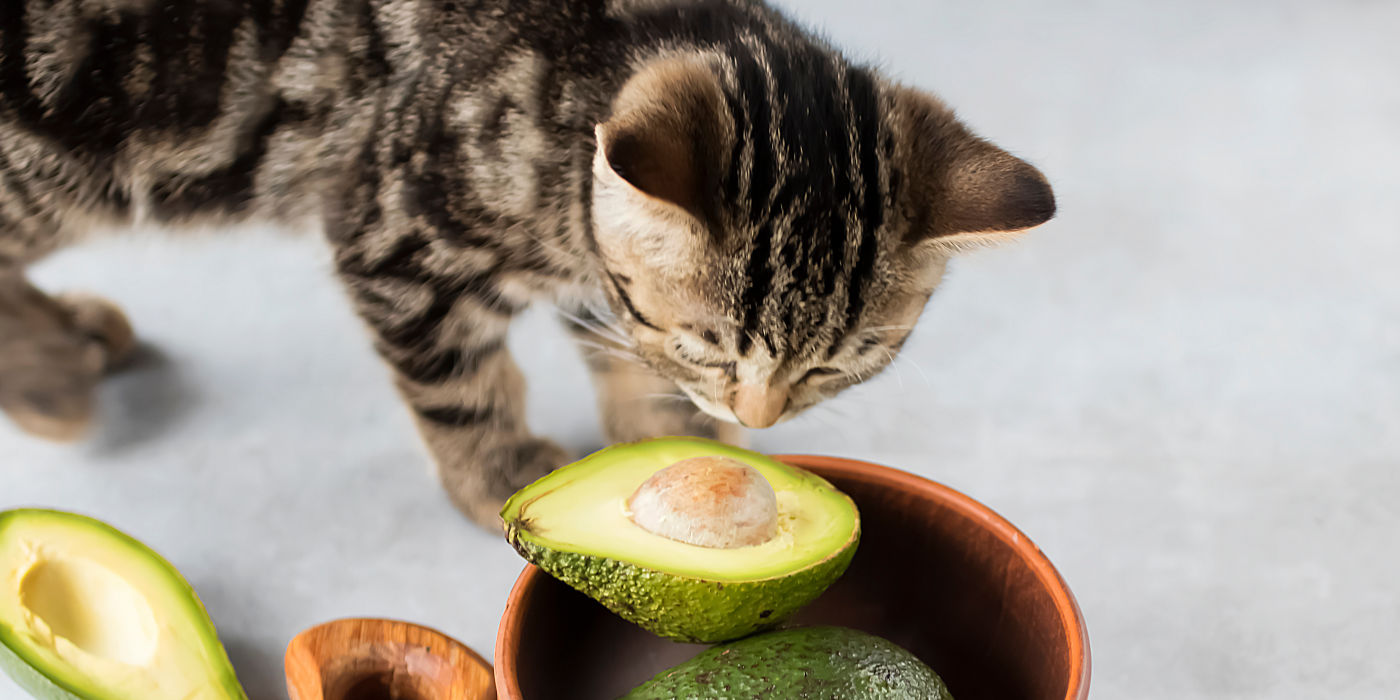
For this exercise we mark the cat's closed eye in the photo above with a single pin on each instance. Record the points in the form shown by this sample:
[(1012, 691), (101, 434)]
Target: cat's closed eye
[(818, 372), (687, 357)]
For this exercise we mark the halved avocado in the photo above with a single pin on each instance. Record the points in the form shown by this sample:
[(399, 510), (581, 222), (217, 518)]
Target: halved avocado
[(88, 613), (575, 524)]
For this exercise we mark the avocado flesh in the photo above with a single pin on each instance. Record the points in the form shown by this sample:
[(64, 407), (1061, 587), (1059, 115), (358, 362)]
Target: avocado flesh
[(574, 524), (88, 613), (800, 664)]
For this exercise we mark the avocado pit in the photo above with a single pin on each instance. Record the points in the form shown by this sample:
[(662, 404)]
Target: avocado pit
[(708, 501)]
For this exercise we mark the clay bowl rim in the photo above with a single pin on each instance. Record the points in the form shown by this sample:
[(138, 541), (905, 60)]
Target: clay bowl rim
[(1071, 617)]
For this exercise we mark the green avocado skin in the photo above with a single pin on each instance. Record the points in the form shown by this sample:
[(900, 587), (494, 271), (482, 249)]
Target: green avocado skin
[(33, 682), (685, 609), (810, 663)]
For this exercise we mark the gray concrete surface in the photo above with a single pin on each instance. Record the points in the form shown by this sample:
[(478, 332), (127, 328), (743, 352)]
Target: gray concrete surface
[(1186, 389)]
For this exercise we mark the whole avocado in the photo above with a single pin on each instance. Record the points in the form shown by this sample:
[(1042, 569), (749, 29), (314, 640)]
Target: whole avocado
[(811, 663)]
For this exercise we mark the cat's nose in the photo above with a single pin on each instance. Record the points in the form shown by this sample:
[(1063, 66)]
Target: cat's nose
[(758, 406)]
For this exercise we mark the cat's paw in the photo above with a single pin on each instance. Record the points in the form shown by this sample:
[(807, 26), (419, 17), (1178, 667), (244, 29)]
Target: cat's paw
[(480, 486), (51, 361), (47, 386), (103, 323)]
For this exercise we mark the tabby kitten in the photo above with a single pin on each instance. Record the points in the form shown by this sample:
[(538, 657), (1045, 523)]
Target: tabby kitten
[(724, 207)]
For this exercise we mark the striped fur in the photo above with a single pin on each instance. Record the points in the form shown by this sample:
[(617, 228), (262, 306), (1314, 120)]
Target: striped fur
[(726, 209)]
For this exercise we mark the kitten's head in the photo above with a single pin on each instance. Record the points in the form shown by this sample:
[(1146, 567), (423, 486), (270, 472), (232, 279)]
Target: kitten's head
[(772, 229)]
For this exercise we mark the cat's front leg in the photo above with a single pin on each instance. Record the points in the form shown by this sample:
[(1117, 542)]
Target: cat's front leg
[(445, 337), (474, 425), (634, 403)]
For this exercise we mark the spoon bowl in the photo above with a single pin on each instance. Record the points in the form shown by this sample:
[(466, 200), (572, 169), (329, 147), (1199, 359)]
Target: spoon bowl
[(366, 659)]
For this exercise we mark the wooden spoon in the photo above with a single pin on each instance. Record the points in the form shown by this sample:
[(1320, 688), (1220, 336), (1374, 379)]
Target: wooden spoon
[(358, 659)]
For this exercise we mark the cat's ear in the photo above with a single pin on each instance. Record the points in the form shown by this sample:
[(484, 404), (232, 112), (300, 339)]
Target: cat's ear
[(661, 139), (961, 189)]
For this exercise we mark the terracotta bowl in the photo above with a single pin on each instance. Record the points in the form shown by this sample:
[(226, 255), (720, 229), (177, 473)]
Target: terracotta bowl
[(936, 572)]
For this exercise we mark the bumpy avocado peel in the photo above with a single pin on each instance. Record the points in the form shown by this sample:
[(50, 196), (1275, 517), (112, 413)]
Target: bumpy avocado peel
[(799, 664), (684, 608)]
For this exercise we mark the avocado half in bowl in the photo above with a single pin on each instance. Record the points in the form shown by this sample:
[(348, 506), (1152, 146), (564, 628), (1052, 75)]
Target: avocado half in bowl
[(601, 526), (936, 573)]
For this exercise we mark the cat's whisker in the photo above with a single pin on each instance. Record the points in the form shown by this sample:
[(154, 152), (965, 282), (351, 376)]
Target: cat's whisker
[(598, 316), (889, 362), (910, 361), (598, 327), (831, 419), (548, 245), (611, 324), (604, 345), (602, 313), (898, 377), (605, 335), (681, 398), (610, 351)]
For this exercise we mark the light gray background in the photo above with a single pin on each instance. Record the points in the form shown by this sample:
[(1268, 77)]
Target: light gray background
[(1186, 388)]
